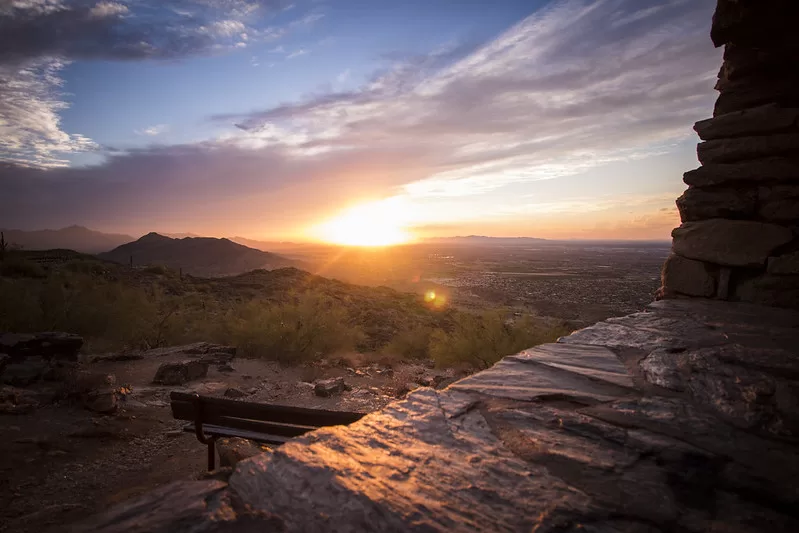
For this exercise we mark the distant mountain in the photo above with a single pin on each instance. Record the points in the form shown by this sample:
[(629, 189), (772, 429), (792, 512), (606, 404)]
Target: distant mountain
[(199, 256), (264, 245), (75, 238), (482, 239)]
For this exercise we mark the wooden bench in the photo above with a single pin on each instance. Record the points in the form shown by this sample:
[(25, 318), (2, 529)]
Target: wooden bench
[(212, 418)]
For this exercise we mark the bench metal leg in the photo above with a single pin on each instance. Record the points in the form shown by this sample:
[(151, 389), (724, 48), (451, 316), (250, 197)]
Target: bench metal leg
[(211, 454)]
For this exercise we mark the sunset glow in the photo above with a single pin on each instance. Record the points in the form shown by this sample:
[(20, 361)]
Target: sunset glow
[(381, 223)]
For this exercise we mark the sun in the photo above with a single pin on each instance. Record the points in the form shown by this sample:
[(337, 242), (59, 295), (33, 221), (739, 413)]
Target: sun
[(381, 223)]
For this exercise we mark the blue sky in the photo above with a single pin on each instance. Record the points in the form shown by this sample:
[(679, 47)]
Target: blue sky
[(265, 118)]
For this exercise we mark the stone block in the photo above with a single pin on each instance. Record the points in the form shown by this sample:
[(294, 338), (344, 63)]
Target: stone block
[(743, 148), (754, 22), (784, 264), (703, 204), (689, 277), (742, 94), (769, 289), (180, 372), (780, 169), (744, 61), (779, 203), (729, 242), (765, 119)]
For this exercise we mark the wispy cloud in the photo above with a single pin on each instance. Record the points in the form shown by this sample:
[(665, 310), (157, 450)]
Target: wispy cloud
[(297, 53), (38, 38), (153, 131)]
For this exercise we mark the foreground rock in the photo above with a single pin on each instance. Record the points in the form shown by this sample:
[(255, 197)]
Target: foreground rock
[(180, 372), (329, 387), (682, 418), (28, 358)]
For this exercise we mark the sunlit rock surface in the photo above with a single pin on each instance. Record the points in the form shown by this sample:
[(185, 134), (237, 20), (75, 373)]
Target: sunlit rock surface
[(680, 418)]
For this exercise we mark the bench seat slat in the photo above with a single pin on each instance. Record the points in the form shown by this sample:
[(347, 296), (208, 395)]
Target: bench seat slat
[(250, 435), (184, 408), (272, 428)]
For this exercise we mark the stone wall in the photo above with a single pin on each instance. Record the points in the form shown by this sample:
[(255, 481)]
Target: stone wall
[(739, 238)]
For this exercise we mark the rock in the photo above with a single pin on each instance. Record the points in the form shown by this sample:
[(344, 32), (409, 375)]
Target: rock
[(25, 372), (779, 203), (403, 390), (765, 119), (702, 204), (101, 401), (217, 358), (784, 264), (753, 22), (689, 277), (757, 170), (329, 387), (431, 381), (48, 345), (235, 449), (739, 95), (17, 401), (744, 148), (225, 368), (235, 393), (4, 360), (191, 350), (115, 357), (87, 381), (729, 242), (180, 372), (174, 433)]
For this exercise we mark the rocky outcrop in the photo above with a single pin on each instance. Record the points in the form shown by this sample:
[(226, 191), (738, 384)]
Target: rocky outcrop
[(28, 358), (180, 372), (233, 450), (740, 213), (680, 418)]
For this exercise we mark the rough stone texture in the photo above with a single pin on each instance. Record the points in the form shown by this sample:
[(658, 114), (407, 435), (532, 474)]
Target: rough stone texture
[(25, 372), (754, 22), (765, 119), (779, 203), (766, 289), (701, 204), (329, 387), (680, 418), (784, 264), (743, 148), (689, 277), (777, 169), (180, 372), (233, 450), (729, 242)]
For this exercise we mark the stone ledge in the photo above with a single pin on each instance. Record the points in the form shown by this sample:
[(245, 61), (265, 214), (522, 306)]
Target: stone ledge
[(681, 417)]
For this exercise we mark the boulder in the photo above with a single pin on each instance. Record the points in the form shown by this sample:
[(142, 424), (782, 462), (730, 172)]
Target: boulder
[(4, 360), (101, 401), (48, 345), (217, 358), (180, 372), (729, 242), (226, 367), (235, 449), (16, 401), (744, 148), (235, 393), (742, 94), (329, 387), (431, 381), (784, 264), (779, 203), (765, 119), (768, 289), (702, 204), (757, 170), (689, 277), (753, 22)]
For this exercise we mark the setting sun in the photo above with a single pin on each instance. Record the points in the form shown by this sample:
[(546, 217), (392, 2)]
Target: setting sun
[(380, 223)]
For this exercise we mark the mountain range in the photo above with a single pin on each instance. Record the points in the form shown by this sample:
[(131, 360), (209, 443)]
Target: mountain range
[(76, 238), (199, 256)]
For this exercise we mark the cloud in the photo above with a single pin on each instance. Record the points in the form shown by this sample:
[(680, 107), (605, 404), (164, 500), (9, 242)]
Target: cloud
[(296, 53), (578, 85), (38, 38), (152, 131)]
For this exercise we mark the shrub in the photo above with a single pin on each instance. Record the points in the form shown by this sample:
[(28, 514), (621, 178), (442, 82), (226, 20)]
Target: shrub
[(411, 343), (482, 340), (16, 266), (307, 327)]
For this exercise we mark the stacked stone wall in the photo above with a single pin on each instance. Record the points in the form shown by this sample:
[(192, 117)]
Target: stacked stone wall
[(739, 238)]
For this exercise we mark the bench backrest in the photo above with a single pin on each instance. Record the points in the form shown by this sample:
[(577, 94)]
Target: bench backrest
[(257, 417)]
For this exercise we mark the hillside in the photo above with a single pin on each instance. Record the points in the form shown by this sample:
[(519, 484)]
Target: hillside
[(76, 238), (198, 256)]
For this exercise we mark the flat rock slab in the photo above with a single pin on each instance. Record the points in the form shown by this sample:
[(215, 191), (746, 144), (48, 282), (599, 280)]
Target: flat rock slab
[(679, 418)]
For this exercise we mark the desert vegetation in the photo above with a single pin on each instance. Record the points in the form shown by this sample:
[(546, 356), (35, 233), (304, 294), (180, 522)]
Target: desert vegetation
[(285, 315)]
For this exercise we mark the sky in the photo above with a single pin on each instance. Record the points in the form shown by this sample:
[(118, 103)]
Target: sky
[(281, 119)]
